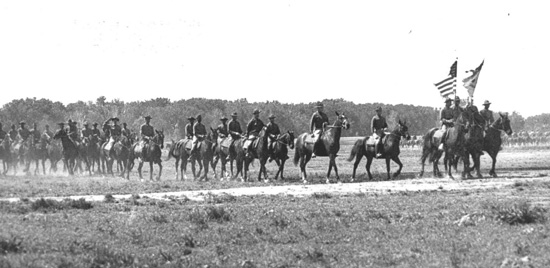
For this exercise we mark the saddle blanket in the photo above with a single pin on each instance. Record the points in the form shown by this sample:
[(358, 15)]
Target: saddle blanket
[(371, 141), (225, 142)]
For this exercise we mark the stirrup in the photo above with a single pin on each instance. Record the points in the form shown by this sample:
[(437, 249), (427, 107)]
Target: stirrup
[(313, 155), (378, 155)]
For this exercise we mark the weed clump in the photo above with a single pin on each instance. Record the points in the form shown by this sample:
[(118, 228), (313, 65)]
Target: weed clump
[(109, 198), (218, 214), (521, 212), (79, 204), (53, 205), (219, 199), (321, 195), (12, 245)]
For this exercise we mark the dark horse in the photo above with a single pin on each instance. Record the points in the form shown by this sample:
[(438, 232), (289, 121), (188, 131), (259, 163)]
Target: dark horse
[(492, 141), (258, 150), (204, 155), (55, 153), (225, 151), (37, 152), (280, 151), (93, 149), (70, 150), (151, 154), (454, 146), (364, 147), (328, 145), (121, 153)]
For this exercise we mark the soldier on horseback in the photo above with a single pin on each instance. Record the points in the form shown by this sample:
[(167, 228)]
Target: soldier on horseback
[(125, 131), (2, 132), (73, 130), (114, 132), (35, 133), (13, 132), (24, 133), (316, 124), (199, 133), (222, 128), (448, 117), (48, 132), (86, 131), (253, 129), (272, 131), (487, 114), (146, 132), (189, 128), (378, 127), (95, 131), (234, 127)]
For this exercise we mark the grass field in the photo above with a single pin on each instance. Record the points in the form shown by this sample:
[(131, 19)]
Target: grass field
[(502, 227)]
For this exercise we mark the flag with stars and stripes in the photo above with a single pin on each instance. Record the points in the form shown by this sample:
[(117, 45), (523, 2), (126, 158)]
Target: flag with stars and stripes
[(447, 86)]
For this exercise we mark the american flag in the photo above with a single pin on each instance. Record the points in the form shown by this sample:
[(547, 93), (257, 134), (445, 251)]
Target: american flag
[(446, 86)]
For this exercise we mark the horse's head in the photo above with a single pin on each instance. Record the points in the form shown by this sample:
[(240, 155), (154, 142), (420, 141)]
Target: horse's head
[(290, 139), (403, 129), (505, 121), (342, 121), (59, 134), (214, 135), (159, 138)]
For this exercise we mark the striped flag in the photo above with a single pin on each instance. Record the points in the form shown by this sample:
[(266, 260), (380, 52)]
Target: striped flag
[(471, 81), (446, 86)]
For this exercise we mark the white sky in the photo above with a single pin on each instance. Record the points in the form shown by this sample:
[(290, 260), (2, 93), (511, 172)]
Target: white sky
[(286, 50)]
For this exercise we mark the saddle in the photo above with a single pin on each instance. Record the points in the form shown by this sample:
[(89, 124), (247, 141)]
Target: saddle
[(371, 141), (225, 142)]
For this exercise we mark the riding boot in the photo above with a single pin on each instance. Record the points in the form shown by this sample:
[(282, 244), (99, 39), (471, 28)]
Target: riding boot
[(440, 148), (377, 150)]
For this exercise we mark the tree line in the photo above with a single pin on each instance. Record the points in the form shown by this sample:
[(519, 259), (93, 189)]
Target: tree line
[(171, 116)]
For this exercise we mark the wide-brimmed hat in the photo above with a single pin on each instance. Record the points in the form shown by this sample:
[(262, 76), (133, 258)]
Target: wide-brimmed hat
[(448, 100), (190, 118), (124, 124), (378, 109), (486, 102), (116, 119), (61, 123), (199, 117), (22, 122), (319, 104), (86, 124), (457, 98), (95, 124), (256, 111), (147, 116), (223, 118), (271, 116), (234, 114)]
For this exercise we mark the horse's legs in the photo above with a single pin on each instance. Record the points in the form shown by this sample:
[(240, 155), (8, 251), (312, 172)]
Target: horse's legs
[(177, 166), (369, 162), (358, 158), (388, 167), (333, 163), (151, 170), (262, 167), (160, 170), (140, 165), (493, 156), (398, 162), (184, 167)]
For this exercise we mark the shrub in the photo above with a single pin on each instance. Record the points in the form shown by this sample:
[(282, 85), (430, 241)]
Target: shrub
[(109, 198), (218, 214), (12, 245), (46, 204), (79, 204), (321, 196), (521, 212)]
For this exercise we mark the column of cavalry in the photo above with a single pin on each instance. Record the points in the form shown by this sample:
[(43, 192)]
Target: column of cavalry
[(89, 150), (465, 132)]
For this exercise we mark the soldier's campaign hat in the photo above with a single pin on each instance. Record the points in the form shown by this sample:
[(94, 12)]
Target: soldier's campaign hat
[(190, 118), (61, 123), (116, 119), (95, 124), (124, 124), (457, 98), (147, 116), (378, 109), (271, 116), (86, 123), (319, 104), (448, 100), (486, 102), (234, 114), (22, 122), (199, 117), (256, 111), (223, 118)]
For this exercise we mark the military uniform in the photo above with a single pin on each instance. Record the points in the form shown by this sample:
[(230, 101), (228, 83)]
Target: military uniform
[(273, 131), (147, 131), (13, 133), (316, 124), (377, 125), (189, 130), (488, 116), (24, 133), (199, 132), (126, 132), (234, 128), (48, 132), (222, 130), (254, 127), (86, 132), (35, 134), (73, 131)]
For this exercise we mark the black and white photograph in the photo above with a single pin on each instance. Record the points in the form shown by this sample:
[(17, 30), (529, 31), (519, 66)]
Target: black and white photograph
[(291, 133)]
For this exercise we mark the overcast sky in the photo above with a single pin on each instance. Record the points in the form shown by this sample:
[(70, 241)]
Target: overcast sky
[(286, 50)]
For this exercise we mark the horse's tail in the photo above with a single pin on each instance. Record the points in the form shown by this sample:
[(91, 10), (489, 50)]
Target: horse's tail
[(171, 151), (356, 147), (427, 149), (297, 150)]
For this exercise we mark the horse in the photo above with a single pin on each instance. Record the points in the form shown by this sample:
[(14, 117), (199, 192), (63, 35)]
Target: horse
[(70, 150), (180, 151), (492, 141), (259, 150), (121, 153), (390, 150), (37, 152), (6, 154), (280, 151), (150, 152), (473, 138), (204, 154), (454, 146), (54, 151), (93, 149), (328, 145)]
